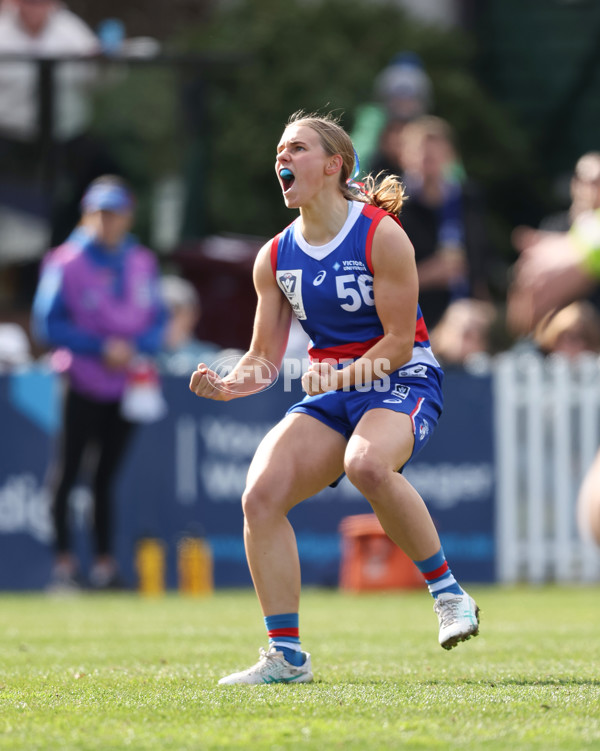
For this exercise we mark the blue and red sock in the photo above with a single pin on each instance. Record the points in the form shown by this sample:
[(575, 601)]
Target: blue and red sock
[(438, 575), (283, 630)]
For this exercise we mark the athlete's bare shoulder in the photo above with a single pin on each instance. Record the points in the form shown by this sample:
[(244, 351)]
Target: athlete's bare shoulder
[(264, 273), (390, 239)]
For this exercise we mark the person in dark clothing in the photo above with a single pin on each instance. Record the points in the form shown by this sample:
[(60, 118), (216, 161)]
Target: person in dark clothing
[(444, 216)]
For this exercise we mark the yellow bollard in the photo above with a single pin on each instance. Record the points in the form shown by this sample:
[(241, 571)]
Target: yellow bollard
[(150, 565), (195, 566)]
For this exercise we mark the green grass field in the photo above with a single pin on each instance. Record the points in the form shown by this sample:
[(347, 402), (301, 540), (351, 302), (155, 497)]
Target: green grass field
[(124, 672)]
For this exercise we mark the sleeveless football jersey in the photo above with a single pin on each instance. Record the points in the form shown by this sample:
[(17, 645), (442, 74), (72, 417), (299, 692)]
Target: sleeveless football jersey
[(330, 288)]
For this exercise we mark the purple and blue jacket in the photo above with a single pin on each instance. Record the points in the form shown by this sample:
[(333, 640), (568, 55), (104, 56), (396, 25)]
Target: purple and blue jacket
[(88, 294)]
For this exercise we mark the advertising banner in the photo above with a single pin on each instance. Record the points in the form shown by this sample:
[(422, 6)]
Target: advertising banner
[(186, 473)]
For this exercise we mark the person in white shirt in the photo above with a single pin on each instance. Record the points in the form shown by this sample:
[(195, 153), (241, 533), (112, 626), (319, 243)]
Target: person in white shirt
[(44, 174), (43, 28)]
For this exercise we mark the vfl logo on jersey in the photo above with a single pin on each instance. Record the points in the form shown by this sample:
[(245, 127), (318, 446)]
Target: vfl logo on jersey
[(290, 283), (398, 395), (319, 278), (287, 282), (416, 371)]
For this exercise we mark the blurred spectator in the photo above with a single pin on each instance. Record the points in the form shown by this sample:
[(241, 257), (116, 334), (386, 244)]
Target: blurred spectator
[(404, 87), (44, 174), (444, 217), (15, 350), (42, 28), (585, 196), (464, 332), (403, 92), (98, 301), (559, 268), (571, 331), (182, 351), (387, 160)]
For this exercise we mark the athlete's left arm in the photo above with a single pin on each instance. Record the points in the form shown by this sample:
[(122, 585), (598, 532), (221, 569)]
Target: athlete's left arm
[(396, 292)]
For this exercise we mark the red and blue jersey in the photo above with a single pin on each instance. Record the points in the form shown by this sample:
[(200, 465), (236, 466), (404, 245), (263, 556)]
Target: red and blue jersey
[(330, 289)]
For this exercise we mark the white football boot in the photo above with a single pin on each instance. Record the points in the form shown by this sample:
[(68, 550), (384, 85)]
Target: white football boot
[(272, 667), (458, 616)]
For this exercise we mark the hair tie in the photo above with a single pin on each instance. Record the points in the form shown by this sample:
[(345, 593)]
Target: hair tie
[(360, 187), (351, 182), (356, 165)]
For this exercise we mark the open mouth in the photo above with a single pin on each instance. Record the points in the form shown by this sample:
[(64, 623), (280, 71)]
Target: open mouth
[(287, 178)]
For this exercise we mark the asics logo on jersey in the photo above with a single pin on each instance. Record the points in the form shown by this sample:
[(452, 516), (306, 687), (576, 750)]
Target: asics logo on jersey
[(319, 278)]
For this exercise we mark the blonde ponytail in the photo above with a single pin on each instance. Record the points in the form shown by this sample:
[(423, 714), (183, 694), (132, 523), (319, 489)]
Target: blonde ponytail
[(384, 191)]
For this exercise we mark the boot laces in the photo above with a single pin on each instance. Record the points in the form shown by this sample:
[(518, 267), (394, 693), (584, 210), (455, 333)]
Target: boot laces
[(448, 610)]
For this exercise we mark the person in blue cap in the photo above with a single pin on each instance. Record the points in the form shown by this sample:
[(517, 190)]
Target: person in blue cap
[(98, 305), (346, 269)]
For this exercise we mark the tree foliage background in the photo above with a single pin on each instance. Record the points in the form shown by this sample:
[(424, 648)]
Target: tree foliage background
[(325, 56), (318, 55)]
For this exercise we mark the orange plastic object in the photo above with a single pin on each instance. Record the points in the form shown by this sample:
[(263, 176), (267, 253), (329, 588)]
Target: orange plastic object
[(371, 561)]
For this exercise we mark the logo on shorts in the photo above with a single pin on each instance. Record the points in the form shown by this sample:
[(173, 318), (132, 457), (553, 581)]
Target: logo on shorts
[(416, 371), (423, 430), (398, 395)]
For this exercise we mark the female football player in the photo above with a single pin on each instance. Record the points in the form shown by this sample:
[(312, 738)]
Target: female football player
[(346, 269)]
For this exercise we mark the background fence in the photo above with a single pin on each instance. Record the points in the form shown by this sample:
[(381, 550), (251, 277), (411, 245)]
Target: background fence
[(547, 426)]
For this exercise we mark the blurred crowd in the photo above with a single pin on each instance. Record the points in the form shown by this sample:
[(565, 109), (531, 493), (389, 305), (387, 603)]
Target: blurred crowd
[(470, 293), (397, 132), (469, 315)]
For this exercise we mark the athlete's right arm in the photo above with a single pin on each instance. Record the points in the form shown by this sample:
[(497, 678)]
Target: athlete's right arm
[(257, 368)]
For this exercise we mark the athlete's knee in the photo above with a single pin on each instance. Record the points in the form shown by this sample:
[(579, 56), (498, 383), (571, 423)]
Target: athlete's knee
[(260, 503), (366, 472)]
